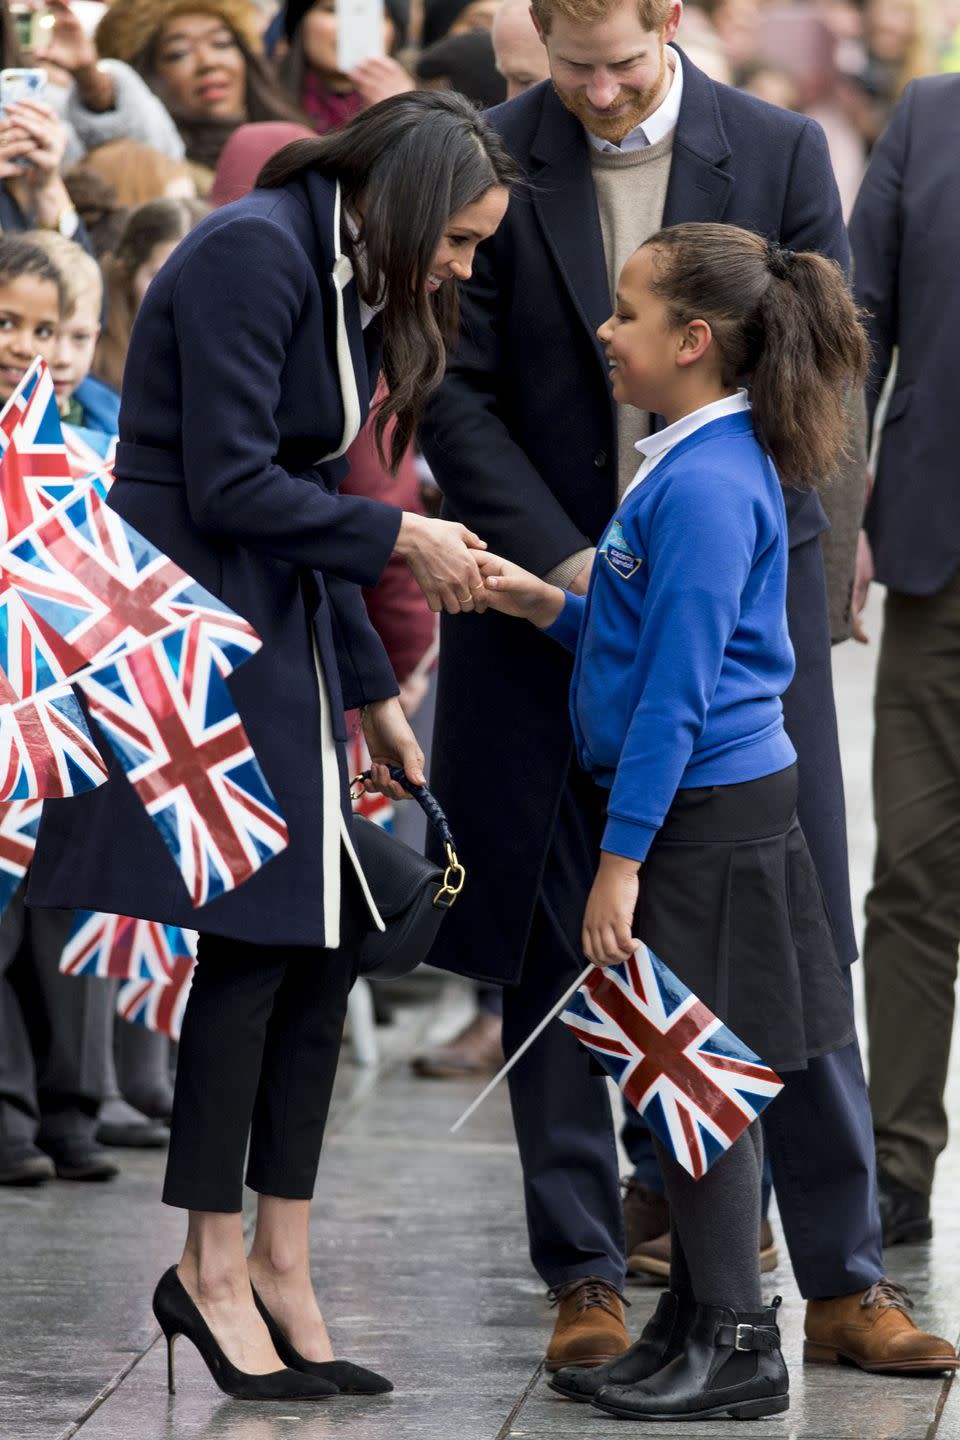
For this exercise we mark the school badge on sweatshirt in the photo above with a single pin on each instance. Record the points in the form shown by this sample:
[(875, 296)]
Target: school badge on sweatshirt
[(618, 554)]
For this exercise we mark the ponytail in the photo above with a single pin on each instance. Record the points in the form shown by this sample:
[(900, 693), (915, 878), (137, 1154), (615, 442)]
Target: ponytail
[(784, 324)]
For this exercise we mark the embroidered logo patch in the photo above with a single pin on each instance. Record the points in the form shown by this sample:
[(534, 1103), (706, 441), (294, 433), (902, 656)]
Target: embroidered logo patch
[(618, 554)]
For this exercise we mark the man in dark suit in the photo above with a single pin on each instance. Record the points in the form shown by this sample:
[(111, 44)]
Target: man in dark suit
[(523, 440), (904, 236)]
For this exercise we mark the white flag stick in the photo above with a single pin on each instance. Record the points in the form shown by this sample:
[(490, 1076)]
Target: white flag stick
[(522, 1051)]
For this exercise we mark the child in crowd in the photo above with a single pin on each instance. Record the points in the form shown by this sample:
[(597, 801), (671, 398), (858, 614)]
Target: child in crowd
[(86, 404), (682, 654), (149, 237), (52, 1076)]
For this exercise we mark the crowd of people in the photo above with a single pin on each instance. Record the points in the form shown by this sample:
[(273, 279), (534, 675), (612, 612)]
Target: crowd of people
[(155, 115)]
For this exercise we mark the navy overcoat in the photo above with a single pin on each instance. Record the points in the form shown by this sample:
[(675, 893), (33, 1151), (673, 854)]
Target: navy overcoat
[(235, 389), (904, 230), (521, 438)]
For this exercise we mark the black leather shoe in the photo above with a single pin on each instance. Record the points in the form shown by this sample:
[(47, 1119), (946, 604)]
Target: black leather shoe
[(904, 1213), (349, 1379), (25, 1167), (730, 1365), (81, 1160), (662, 1339), (178, 1315)]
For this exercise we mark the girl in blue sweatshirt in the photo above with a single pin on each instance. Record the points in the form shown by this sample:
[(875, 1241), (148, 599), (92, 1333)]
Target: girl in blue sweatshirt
[(682, 652)]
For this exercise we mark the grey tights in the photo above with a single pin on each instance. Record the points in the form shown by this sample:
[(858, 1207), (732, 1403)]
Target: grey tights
[(716, 1225)]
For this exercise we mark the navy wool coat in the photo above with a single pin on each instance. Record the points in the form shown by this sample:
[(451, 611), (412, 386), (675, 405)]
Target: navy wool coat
[(521, 438), (904, 232), (233, 394)]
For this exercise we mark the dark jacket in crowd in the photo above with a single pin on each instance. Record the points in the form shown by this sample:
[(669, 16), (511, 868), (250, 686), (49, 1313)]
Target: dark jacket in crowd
[(522, 441), (232, 396), (905, 234)]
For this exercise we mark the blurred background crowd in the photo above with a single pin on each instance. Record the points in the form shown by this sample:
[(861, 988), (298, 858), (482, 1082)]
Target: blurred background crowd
[(155, 111)]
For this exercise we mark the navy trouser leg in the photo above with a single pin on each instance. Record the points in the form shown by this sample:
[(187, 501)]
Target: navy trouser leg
[(561, 1105), (819, 1136)]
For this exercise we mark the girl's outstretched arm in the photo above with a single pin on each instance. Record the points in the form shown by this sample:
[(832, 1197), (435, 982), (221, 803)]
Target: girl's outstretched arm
[(514, 591)]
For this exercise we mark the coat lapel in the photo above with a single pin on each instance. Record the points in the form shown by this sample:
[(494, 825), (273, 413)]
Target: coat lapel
[(566, 206), (353, 367), (700, 185)]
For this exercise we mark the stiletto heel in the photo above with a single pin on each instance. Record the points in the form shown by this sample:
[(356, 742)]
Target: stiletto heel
[(349, 1379), (178, 1315), (171, 1378)]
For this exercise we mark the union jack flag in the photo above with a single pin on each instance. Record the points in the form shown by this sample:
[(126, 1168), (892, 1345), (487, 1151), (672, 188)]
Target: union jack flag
[(19, 823), (86, 466), (120, 947), (46, 750), (159, 1007), (696, 1084), (93, 586), (35, 470), (167, 713)]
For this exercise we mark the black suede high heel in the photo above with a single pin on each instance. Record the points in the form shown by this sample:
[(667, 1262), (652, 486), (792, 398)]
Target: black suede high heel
[(349, 1379), (178, 1315)]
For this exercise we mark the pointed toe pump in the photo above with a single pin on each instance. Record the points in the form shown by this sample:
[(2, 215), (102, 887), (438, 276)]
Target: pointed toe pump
[(349, 1379), (178, 1315)]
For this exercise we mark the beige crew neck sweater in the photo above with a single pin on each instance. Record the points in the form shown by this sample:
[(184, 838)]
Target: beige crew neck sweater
[(631, 189)]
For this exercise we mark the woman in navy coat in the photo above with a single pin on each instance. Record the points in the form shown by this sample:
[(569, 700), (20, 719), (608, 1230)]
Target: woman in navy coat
[(251, 368)]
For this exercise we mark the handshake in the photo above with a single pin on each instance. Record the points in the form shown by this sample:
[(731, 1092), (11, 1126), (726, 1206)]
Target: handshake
[(458, 574)]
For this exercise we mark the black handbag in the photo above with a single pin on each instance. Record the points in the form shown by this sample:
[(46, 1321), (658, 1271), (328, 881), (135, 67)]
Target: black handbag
[(411, 892)]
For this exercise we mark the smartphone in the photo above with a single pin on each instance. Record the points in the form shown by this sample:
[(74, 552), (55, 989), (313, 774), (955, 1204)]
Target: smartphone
[(21, 85), (29, 25)]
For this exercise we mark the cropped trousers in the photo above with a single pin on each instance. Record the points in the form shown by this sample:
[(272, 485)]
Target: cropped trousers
[(258, 1056)]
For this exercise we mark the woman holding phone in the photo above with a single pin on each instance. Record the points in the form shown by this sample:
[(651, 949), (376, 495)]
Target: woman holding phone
[(251, 366)]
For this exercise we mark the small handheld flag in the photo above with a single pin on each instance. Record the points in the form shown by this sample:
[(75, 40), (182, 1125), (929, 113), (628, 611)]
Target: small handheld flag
[(694, 1082)]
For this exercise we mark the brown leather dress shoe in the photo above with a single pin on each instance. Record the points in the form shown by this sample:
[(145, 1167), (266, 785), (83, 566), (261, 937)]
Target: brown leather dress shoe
[(650, 1261), (873, 1331), (477, 1050), (590, 1327)]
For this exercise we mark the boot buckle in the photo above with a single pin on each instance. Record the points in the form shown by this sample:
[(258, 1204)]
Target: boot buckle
[(744, 1333)]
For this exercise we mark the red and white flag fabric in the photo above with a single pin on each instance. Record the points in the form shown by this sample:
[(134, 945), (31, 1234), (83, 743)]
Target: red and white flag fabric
[(19, 823), (171, 721), (46, 750), (35, 469), (695, 1083), (158, 1007), (119, 947), (94, 587)]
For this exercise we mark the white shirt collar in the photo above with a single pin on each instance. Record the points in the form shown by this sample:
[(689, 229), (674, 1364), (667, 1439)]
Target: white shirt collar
[(655, 447), (652, 130)]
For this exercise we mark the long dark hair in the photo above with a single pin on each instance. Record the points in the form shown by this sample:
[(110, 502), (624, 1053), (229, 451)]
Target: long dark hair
[(784, 324), (410, 163)]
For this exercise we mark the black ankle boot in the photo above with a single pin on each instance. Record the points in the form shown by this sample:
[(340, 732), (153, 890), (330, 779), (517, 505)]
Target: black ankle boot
[(730, 1365), (662, 1339)]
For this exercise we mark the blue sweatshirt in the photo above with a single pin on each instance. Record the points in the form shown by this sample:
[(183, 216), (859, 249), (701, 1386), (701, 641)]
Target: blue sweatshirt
[(682, 650)]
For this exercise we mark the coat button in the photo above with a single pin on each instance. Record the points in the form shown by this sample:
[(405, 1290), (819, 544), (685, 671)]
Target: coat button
[(600, 459)]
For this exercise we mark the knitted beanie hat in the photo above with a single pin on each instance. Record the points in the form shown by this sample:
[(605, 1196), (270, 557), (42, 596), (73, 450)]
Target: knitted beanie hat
[(130, 26)]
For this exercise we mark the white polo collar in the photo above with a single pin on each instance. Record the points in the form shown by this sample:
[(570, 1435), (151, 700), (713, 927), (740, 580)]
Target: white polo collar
[(654, 447)]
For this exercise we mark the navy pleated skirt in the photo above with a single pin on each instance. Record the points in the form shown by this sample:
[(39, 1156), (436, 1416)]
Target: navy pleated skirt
[(730, 901)]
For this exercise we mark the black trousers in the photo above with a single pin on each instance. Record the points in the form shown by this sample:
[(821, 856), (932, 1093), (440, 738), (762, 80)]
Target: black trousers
[(257, 1060)]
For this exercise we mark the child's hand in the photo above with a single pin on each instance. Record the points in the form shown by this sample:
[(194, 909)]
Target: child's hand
[(608, 920), (514, 591)]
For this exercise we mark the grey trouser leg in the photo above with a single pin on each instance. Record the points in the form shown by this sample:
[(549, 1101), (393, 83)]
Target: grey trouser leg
[(913, 909)]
